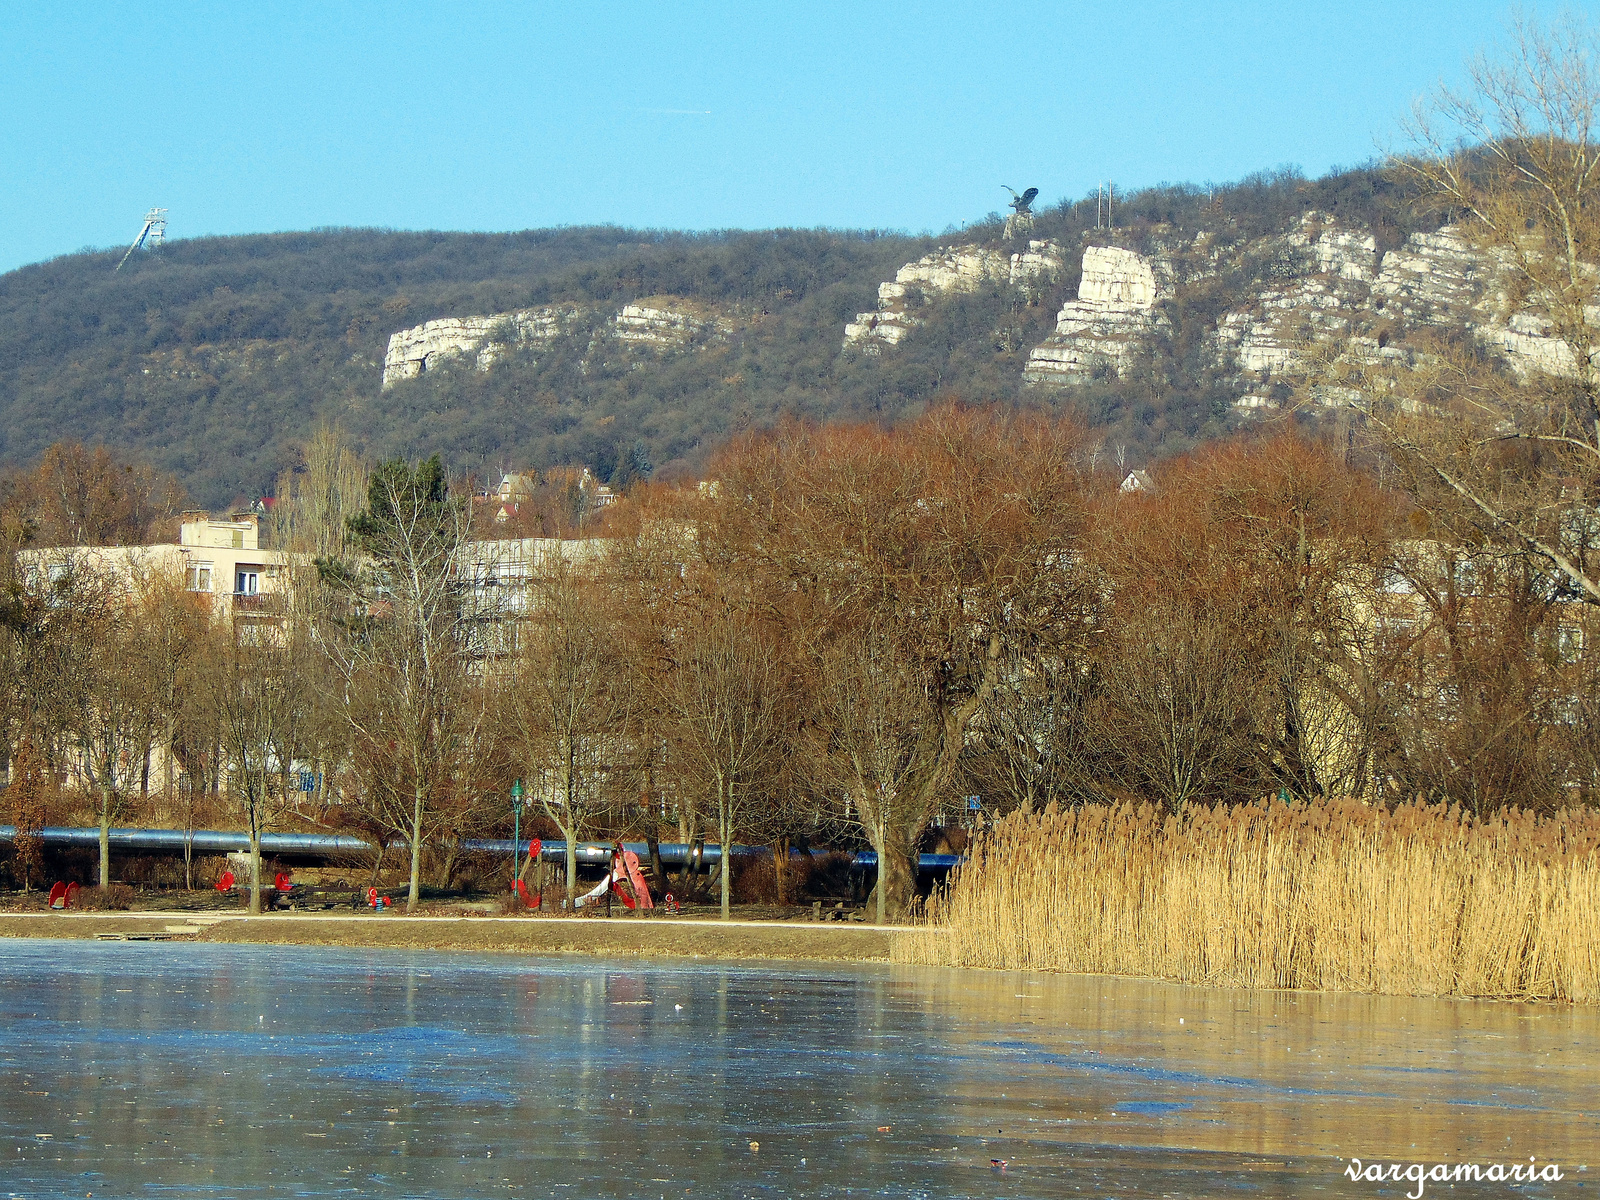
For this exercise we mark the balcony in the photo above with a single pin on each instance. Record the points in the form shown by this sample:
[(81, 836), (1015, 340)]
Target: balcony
[(259, 604)]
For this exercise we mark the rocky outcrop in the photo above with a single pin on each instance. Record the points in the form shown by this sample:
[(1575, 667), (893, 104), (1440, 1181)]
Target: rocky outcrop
[(1326, 275), (1433, 278), (1343, 253), (1339, 305), (1440, 279), (666, 323), (1320, 294), (1528, 342), (423, 347), (658, 323), (948, 271), (1102, 330)]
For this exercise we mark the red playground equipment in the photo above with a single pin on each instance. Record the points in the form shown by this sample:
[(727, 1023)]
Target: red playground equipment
[(624, 870)]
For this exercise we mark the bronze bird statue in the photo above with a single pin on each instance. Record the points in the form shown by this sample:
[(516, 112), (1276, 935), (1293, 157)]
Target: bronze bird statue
[(1024, 202)]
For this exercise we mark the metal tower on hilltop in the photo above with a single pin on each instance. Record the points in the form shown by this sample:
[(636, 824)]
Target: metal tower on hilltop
[(153, 234)]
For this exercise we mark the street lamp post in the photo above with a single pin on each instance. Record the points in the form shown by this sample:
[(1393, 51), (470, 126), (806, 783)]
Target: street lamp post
[(516, 828)]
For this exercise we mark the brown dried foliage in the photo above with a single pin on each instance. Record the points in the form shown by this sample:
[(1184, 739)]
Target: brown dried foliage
[(1417, 900)]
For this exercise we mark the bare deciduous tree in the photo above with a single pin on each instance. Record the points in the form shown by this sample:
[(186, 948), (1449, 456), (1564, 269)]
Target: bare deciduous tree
[(873, 720), (723, 684), (1510, 453), (395, 645), (948, 544), (568, 705), (24, 796), (99, 678), (255, 685)]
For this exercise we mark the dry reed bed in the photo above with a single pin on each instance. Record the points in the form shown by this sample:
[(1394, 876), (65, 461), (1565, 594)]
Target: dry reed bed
[(1417, 900)]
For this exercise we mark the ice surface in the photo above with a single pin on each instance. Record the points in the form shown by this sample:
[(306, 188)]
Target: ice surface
[(154, 1069)]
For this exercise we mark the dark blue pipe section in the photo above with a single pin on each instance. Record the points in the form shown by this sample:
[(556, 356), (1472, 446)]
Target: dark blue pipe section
[(325, 845)]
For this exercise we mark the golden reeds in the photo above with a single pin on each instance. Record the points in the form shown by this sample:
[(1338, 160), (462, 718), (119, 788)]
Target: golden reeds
[(1415, 900)]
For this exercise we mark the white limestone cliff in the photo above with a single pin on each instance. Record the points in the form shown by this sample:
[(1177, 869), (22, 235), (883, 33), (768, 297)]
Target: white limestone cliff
[(1440, 279), (667, 323), (948, 271), (413, 351), (1340, 306), (1325, 296), (1432, 278), (1107, 324), (659, 323)]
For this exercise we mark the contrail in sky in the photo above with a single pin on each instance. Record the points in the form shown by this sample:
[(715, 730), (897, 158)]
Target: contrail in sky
[(677, 112)]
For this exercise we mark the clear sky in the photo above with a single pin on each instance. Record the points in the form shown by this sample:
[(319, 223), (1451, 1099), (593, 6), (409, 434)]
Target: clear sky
[(248, 117)]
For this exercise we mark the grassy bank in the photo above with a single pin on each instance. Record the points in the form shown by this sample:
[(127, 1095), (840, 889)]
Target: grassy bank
[(1419, 900), (623, 937)]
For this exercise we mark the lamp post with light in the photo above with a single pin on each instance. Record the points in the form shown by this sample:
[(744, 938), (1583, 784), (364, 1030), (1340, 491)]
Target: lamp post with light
[(516, 828)]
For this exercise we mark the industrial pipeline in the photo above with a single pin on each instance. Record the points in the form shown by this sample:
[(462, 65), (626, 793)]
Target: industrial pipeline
[(324, 846)]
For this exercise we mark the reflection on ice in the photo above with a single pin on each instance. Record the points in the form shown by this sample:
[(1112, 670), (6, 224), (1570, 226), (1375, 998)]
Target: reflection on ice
[(136, 1069)]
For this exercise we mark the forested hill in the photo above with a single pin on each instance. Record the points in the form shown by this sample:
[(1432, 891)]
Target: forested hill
[(215, 357)]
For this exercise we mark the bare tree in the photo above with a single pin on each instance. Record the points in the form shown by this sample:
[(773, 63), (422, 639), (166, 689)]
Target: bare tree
[(25, 798), (1230, 656), (315, 505), (253, 682), (1478, 681), (569, 707), (873, 721), (395, 642), (722, 682), (82, 497), (175, 624), (99, 681), (1511, 454), (948, 544), (1031, 745), (1181, 693)]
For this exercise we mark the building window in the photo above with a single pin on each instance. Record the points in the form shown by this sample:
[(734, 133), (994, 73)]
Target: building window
[(200, 577), (247, 582)]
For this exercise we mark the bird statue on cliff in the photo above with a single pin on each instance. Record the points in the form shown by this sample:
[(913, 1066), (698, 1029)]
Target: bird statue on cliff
[(1023, 203)]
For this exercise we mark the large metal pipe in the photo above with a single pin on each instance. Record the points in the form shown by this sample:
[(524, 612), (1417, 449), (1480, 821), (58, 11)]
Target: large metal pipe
[(330, 845)]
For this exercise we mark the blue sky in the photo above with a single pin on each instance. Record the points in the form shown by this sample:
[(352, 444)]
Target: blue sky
[(253, 117)]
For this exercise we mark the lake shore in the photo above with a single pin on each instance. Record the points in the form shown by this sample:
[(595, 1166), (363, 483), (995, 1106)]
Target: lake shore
[(652, 937)]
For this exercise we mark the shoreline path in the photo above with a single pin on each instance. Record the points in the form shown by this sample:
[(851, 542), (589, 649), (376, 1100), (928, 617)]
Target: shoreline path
[(676, 937)]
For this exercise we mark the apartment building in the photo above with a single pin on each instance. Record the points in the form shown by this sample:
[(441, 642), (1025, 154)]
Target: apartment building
[(221, 558), (224, 558)]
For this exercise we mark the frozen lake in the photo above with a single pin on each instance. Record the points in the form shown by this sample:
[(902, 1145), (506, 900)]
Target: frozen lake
[(160, 1069)]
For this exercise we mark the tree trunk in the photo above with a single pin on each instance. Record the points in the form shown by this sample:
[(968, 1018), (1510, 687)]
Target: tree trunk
[(255, 870), (452, 859), (687, 842), (780, 866), (713, 877), (415, 893), (726, 866), (572, 869), (105, 840), (377, 863), (188, 837), (896, 886)]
